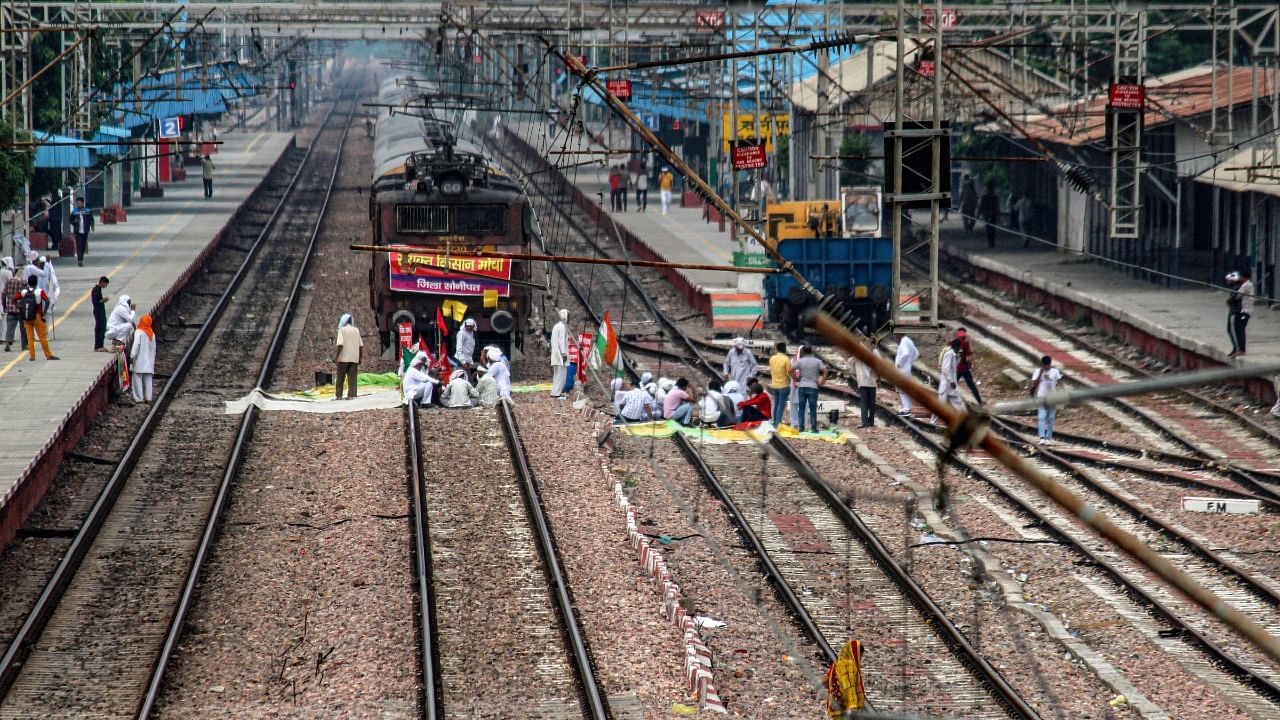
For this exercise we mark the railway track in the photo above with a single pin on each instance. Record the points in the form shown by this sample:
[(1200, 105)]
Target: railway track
[(811, 539), (114, 607), (500, 617)]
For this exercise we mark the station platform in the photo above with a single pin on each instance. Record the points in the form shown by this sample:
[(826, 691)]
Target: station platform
[(1184, 327), (731, 301), (50, 404)]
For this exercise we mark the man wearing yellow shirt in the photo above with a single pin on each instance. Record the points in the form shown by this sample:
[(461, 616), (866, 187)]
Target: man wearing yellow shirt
[(666, 181), (779, 381)]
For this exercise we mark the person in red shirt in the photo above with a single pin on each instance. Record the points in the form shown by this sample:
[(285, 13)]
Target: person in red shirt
[(33, 323), (964, 366), (615, 182), (758, 406)]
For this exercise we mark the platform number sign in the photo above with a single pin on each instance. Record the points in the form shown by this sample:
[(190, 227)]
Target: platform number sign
[(650, 120), (949, 18), (170, 127)]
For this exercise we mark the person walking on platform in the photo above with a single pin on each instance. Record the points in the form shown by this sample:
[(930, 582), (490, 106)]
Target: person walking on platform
[(779, 381), (624, 188), (964, 367), (55, 220), (615, 182), (1240, 307), (120, 324), (1024, 210), (989, 212), (100, 314), (642, 191), (33, 306), (1045, 380), (12, 285), (82, 225), (810, 374), (968, 203), (350, 349), (206, 174), (559, 354), (666, 182), (740, 363), (905, 357), (143, 357), (867, 382), (948, 384)]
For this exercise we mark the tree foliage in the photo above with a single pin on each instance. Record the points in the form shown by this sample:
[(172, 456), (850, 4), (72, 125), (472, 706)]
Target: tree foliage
[(15, 165)]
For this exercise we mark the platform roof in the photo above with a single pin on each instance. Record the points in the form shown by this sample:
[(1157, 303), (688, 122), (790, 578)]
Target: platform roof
[(1253, 169), (60, 152)]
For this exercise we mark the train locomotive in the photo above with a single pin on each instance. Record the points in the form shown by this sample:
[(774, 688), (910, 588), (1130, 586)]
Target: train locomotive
[(434, 190)]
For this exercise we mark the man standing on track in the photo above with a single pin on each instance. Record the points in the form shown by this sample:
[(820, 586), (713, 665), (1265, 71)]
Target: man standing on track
[(906, 357), (82, 224), (867, 382), (948, 385), (779, 382), (559, 354), (740, 363), (964, 366), (1044, 381), (143, 355), (100, 314), (810, 374), (350, 348), (465, 347), (666, 182)]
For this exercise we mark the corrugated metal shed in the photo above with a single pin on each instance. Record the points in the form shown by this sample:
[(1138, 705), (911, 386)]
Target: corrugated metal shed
[(58, 152), (108, 135)]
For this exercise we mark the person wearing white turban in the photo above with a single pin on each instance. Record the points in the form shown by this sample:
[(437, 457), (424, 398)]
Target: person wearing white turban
[(465, 347), (418, 383), (123, 320), (740, 363), (459, 393), (559, 354), (500, 373)]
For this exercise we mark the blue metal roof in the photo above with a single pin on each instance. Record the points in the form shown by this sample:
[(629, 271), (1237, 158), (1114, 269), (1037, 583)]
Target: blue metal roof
[(108, 136), (54, 152), (204, 92)]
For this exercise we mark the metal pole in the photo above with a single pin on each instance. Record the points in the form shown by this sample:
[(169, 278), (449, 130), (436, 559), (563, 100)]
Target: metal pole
[(898, 106), (935, 205)]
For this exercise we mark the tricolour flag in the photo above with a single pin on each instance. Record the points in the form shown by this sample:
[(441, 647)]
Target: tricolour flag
[(607, 345)]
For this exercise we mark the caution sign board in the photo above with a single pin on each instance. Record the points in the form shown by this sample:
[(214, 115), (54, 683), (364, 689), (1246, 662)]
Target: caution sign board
[(620, 88), (771, 126), (749, 155), (1126, 96)]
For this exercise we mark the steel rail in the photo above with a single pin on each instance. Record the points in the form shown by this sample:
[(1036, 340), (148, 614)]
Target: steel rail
[(591, 694), (780, 584), (1003, 692), (1227, 663), (47, 603), (240, 450), (432, 694), (627, 278)]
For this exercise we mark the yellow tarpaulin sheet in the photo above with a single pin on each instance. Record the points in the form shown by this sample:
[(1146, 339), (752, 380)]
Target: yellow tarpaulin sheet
[(667, 428)]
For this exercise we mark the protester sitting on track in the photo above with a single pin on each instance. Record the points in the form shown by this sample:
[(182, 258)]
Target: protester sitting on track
[(500, 372), (758, 407), (459, 393), (635, 404), (659, 392), (715, 408), (418, 383), (122, 321), (486, 388), (143, 357), (733, 391), (678, 403)]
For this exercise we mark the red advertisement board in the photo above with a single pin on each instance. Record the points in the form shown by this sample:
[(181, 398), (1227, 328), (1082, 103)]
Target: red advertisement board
[(749, 157), (1127, 96), (711, 19), (405, 331), (428, 273), (927, 68), (949, 18), (620, 88)]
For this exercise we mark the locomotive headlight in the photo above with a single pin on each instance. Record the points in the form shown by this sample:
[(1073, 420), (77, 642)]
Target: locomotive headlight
[(451, 186)]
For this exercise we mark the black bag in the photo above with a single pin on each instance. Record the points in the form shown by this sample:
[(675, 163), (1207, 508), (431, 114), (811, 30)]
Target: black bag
[(29, 306)]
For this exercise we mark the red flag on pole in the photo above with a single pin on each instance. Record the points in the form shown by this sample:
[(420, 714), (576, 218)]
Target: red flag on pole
[(440, 322)]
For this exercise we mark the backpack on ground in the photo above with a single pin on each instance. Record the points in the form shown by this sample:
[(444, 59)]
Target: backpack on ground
[(28, 306)]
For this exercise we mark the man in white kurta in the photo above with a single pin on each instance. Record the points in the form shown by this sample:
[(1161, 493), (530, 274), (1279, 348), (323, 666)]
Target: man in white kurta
[(559, 354)]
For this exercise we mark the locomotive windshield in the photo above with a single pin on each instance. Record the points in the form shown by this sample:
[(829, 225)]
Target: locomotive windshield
[(451, 219)]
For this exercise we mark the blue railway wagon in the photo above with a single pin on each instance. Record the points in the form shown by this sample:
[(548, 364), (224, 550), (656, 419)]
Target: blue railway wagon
[(858, 270)]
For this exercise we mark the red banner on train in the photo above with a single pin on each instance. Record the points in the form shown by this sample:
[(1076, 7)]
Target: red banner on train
[(429, 273)]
